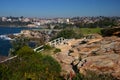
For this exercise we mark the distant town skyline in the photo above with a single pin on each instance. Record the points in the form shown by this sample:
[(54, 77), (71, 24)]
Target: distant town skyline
[(59, 8)]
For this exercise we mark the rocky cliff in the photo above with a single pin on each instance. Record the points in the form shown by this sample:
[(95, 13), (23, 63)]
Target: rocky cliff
[(94, 53)]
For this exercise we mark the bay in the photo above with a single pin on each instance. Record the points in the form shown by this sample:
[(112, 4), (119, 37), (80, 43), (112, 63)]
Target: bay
[(5, 44)]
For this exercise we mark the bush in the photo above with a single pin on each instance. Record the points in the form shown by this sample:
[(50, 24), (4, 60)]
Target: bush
[(25, 51), (111, 31), (66, 33), (34, 67), (57, 50), (47, 47)]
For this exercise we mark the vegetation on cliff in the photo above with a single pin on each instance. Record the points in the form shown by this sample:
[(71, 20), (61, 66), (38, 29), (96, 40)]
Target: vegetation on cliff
[(30, 66), (17, 44)]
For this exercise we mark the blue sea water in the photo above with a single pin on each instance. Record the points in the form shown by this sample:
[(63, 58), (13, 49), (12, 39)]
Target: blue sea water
[(5, 44)]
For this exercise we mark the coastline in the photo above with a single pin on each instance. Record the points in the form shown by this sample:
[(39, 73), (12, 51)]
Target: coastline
[(14, 26), (7, 34)]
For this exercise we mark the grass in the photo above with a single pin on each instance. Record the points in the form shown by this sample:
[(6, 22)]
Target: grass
[(86, 31), (91, 30)]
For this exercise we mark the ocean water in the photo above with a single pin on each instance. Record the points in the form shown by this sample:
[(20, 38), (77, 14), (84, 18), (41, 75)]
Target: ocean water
[(5, 43)]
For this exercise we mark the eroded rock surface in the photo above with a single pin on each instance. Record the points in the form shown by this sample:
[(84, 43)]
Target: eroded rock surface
[(102, 63), (99, 54)]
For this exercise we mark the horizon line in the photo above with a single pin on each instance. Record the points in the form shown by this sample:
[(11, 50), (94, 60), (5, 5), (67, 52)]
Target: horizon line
[(59, 16)]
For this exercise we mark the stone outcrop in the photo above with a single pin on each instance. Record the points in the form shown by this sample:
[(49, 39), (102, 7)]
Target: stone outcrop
[(32, 34), (101, 63), (65, 62), (99, 54)]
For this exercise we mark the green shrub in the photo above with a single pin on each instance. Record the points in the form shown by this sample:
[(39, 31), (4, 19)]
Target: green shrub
[(47, 47), (30, 66), (57, 50), (25, 51), (66, 33), (110, 31)]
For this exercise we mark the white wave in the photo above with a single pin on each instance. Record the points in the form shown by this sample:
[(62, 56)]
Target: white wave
[(16, 34), (5, 37)]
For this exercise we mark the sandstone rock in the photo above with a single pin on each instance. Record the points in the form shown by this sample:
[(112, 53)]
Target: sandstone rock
[(67, 71), (101, 55), (65, 62), (75, 62), (35, 35), (93, 36), (103, 64), (63, 58), (67, 68)]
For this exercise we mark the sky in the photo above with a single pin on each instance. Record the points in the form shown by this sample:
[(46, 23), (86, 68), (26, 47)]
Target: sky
[(59, 8)]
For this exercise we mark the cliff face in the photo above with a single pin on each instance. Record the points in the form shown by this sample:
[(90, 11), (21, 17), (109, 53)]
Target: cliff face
[(109, 63), (99, 54), (102, 56)]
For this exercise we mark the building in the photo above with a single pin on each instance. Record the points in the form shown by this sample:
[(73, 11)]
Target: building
[(26, 20), (4, 19), (68, 20), (9, 20)]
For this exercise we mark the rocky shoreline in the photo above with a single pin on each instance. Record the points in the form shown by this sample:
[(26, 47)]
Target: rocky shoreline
[(93, 53), (34, 34)]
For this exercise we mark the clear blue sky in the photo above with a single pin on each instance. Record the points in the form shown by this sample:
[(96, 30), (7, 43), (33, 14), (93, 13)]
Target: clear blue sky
[(59, 8)]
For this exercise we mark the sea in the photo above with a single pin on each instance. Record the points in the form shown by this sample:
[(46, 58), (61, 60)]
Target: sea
[(5, 44)]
